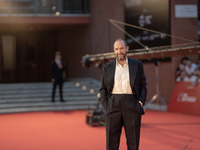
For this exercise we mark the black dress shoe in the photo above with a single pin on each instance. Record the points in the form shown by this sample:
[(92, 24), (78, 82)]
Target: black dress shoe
[(62, 100)]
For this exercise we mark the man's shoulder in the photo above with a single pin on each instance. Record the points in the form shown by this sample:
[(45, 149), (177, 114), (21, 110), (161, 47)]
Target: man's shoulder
[(109, 64), (53, 64), (134, 60)]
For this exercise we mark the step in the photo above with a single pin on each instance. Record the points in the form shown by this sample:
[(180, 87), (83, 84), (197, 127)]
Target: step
[(46, 104), (47, 99), (67, 91), (45, 84), (26, 88), (46, 94), (51, 108), (34, 97)]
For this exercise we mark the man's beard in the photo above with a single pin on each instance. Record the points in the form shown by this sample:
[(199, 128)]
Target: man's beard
[(123, 57)]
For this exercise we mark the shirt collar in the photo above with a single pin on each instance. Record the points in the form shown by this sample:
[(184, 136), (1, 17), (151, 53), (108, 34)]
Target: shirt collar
[(124, 64), (57, 61)]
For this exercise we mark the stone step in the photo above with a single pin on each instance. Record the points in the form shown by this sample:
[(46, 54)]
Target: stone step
[(45, 89), (42, 85), (47, 99), (50, 108), (33, 97), (47, 104), (47, 94), (72, 90)]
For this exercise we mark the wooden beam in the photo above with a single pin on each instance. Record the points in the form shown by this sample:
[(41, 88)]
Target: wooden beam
[(142, 54)]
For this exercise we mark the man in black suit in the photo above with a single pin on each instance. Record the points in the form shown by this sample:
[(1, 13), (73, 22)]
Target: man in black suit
[(57, 78), (123, 94)]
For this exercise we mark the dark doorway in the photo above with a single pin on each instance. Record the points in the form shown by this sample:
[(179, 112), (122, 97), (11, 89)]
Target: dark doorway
[(32, 55)]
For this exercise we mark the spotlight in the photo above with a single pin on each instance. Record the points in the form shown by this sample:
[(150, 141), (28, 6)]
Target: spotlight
[(91, 91), (57, 13), (53, 8), (84, 87), (77, 84), (98, 95)]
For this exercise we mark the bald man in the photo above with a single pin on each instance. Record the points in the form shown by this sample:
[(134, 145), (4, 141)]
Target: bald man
[(123, 94)]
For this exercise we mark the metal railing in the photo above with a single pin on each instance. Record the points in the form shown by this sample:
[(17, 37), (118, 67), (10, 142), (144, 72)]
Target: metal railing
[(11, 7)]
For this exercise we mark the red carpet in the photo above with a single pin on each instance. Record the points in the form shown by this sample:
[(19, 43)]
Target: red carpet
[(68, 131)]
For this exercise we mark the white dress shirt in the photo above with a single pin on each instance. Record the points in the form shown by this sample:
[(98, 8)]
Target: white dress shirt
[(122, 79), (190, 70)]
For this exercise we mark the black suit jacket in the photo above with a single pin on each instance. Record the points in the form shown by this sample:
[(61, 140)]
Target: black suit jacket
[(137, 81), (57, 73)]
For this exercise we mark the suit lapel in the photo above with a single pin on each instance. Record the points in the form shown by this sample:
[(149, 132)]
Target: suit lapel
[(132, 71), (112, 74)]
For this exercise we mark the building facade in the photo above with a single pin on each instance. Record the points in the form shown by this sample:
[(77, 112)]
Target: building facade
[(32, 30)]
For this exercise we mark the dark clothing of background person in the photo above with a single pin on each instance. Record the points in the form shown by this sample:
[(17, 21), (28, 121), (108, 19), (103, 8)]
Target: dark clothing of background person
[(57, 75), (123, 109)]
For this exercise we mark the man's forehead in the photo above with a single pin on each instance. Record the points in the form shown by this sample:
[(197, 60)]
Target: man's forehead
[(119, 43)]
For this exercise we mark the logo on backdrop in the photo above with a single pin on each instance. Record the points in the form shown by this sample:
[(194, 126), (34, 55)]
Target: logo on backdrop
[(144, 20), (150, 14), (183, 97)]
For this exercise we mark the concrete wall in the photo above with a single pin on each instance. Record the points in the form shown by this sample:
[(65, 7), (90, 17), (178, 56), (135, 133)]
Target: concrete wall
[(102, 33), (72, 42), (182, 27), (97, 37)]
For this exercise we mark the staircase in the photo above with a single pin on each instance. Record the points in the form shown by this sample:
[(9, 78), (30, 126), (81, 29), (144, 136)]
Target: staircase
[(79, 94)]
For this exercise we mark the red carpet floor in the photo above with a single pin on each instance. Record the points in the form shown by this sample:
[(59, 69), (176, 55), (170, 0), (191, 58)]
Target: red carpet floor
[(68, 131)]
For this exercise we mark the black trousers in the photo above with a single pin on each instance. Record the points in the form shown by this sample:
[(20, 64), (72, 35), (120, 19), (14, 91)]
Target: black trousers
[(123, 110), (60, 84)]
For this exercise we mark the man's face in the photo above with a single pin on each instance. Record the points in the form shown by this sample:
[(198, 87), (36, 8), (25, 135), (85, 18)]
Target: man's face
[(58, 57), (120, 50)]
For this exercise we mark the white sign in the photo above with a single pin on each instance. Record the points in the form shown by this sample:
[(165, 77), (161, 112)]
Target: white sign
[(186, 11), (183, 97)]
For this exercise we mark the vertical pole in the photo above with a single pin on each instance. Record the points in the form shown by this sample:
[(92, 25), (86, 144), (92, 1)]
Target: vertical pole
[(157, 82)]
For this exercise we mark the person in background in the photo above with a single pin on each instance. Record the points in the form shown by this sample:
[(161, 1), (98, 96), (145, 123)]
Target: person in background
[(179, 70), (57, 78), (190, 68), (198, 66), (183, 77), (184, 60), (198, 75), (181, 67)]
